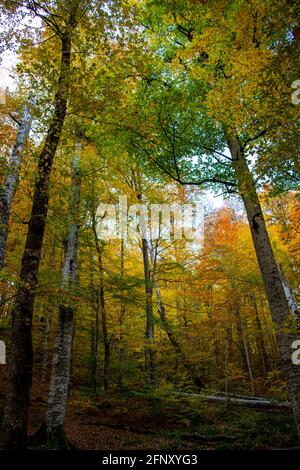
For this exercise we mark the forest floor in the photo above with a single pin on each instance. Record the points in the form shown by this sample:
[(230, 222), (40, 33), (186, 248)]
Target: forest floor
[(167, 421)]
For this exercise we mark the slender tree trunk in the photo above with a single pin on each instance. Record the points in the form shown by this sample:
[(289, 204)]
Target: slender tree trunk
[(121, 377), (149, 350), (150, 353), (95, 346), (53, 429), (227, 353), (105, 335), (8, 190), (277, 300), (15, 421), (240, 337), (185, 321), (261, 344), (249, 365), (271, 343), (49, 314), (59, 383), (215, 344), (169, 330), (46, 341)]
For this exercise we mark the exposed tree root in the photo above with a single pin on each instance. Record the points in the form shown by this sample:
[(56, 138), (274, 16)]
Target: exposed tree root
[(57, 439)]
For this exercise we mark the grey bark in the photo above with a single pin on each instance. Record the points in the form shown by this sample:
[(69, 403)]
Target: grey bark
[(279, 307), (249, 365), (290, 296), (105, 335), (260, 336), (46, 341), (20, 364), (60, 373), (121, 376), (150, 353), (8, 190), (252, 403), (169, 330), (240, 337), (95, 345)]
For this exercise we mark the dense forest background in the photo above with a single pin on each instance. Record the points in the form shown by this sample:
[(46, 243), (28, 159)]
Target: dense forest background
[(135, 342)]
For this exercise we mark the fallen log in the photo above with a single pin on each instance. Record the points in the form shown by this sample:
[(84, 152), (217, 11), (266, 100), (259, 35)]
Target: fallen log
[(247, 397), (201, 437), (257, 403)]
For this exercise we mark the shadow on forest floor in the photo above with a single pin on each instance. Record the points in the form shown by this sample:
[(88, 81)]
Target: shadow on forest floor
[(165, 421)]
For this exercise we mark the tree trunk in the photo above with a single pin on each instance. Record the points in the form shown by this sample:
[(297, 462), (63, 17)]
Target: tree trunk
[(169, 330), (150, 353), (249, 365), (15, 421), (58, 390), (121, 377), (105, 335), (49, 315), (261, 344), (10, 185), (240, 337), (290, 296), (278, 303), (46, 340), (95, 347), (53, 429), (59, 382)]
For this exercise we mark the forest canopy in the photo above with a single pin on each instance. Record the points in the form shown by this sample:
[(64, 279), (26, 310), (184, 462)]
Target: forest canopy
[(149, 220)]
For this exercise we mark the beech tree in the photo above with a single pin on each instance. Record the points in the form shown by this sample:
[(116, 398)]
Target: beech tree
[(11, 181), (164, 102), (219, 65), (14, 426)]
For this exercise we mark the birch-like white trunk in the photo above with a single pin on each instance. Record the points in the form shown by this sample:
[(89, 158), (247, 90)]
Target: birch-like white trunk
[(60, 373), (8, 190), (290, 296)]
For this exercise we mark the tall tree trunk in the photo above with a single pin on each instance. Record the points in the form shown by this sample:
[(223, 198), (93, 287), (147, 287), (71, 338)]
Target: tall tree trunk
[(121, 376), (8, 190), (227, 354), (150, 353), (49, 315), (290, 296), (261, 344), (15, 421), (169, 330), (95, 346), (53, 429), (105, 335), (239, 329), (277, 300), (59, 382), (249, 365), (46, 340)]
